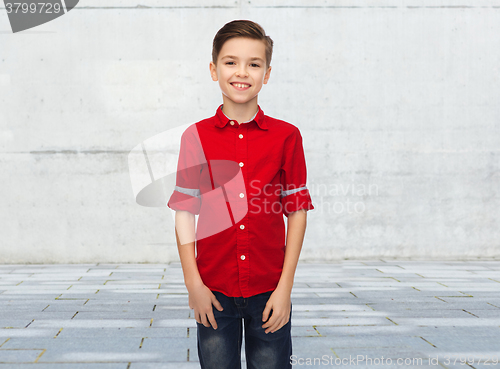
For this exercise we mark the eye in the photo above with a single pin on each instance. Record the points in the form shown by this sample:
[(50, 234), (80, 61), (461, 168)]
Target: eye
[(230, 62), (255, 65)]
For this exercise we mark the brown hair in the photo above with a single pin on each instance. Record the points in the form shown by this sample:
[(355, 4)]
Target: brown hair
[(241, 28)]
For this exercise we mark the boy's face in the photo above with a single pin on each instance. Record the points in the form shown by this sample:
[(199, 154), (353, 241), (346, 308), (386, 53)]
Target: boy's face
[(241, 69)]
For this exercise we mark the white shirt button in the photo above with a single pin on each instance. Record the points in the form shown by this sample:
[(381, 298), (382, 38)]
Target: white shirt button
[(242, 226), (232, 123), (241, 164), (240, 136), (242, 195), (242, 257)]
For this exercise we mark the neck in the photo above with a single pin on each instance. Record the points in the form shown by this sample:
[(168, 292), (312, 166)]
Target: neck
[(240, 112)]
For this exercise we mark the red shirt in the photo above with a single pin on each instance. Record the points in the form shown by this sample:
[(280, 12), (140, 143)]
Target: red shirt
[(241, 179)]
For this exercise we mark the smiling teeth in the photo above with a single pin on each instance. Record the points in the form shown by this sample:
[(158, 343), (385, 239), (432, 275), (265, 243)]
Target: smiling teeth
[(240, 85)]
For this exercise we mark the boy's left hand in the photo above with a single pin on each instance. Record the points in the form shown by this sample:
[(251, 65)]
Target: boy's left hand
[(280, 303)]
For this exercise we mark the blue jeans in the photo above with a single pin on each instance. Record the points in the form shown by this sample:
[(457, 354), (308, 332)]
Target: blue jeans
[(221, 348)]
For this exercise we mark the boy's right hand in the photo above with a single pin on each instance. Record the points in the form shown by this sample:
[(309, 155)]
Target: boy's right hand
[(201, 300)]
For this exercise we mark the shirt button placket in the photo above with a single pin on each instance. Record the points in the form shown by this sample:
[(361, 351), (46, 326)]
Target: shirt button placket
[(242, 239)]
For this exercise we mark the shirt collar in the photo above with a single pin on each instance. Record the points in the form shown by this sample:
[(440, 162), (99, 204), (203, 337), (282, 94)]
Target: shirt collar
[(223, 119)]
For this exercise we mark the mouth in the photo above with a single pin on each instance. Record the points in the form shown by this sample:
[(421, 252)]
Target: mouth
[(240, 86)]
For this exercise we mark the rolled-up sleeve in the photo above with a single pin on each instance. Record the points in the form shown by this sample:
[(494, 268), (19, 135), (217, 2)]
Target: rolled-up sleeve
[(186, 195), (295, 194)]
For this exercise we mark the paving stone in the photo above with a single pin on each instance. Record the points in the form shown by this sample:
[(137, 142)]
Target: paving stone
[(338, 314), (77, 305), (86, 356), (137, 315), (89, 323), (110, 333), (34, 291), (94, 344), (22, 332), (172, 365), (133, 314), (433, 305), (19, 356), (117, 286), (174, 323), (464, 343), (445, 313), (342, 300), (311, 346), (19, 306), (462, 321), (14, 323), (329, 307), (485, 313), (451, 332), (9, 296), (176, 349), (304, 331), (66, 366), (318, 321), (122, 296)]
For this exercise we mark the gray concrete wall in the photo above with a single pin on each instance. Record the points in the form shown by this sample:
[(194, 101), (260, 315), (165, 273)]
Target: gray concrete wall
[(398, 104)]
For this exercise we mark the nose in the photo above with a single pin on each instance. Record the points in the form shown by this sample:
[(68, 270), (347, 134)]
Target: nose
[(242, 72)]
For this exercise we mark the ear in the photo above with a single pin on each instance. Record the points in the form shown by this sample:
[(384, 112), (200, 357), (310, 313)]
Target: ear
[(213, 71), (267, 75)]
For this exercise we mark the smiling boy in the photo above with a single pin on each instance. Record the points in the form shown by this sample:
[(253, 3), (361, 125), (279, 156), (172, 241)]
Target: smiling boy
[(241, 171)]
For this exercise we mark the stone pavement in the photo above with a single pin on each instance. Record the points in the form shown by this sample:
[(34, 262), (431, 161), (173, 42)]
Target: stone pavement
[(361, 313)]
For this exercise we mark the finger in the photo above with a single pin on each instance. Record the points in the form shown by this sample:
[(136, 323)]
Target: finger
[(275, 326), (265, 313), (270, 322), (205, 320), (217, 304), (211, 318)]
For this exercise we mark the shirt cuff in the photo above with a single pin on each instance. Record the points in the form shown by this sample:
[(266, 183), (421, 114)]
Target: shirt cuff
[(296, 199), (187, 199)]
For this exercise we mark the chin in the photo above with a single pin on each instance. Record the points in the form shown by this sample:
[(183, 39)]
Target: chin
[(239, 101)]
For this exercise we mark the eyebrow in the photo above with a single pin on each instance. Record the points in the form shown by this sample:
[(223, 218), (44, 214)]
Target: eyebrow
[(235, 57)]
